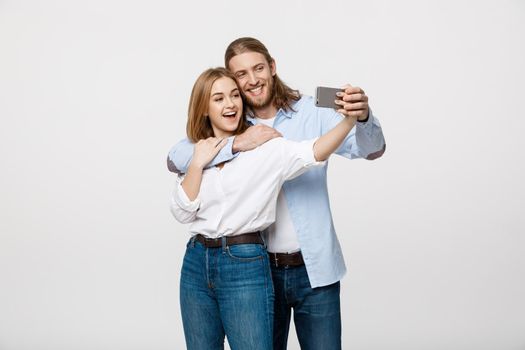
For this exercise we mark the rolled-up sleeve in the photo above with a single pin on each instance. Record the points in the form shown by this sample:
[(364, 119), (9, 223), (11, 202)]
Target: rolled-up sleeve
[(182, 208), (298, 157)]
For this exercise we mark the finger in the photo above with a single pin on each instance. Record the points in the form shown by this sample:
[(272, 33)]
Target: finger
[(260, 129), (263, 126), (343, 112), (355, 106), (269, 130), (346, 86), (351, 105), (355, 97), (272, 134), (217, 143), (354, 90), (356, 114), (359, 114), (210, 141)]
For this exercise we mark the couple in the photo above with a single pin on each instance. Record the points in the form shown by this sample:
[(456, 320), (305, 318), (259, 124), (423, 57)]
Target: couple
[(233, 282)]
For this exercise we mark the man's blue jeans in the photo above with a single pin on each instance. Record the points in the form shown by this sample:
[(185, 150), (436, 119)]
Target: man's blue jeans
[(227, 290), (317, 312)]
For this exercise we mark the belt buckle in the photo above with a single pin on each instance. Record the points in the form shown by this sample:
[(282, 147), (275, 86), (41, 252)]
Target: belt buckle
[(209, 241), (275, 259)]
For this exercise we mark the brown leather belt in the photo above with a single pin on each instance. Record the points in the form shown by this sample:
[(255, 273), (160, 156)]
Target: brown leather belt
[(245, 238), (285, 259)]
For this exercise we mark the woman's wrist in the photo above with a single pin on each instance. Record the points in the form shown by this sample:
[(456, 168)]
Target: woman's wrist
[(195, 166)]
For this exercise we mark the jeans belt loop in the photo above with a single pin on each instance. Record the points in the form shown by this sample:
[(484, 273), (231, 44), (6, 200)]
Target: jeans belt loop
[(224, 244), (263, 239)]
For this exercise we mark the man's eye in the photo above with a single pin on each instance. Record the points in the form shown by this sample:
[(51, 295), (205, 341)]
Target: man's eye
[(259, 68)]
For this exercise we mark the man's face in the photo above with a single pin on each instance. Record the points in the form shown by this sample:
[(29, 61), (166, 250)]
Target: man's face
[(255, 78)]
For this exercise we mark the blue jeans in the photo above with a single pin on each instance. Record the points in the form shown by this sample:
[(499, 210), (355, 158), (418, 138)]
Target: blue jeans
[(227, 291), (317, 311)]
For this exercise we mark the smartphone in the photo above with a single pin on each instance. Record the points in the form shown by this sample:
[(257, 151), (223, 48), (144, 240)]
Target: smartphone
[(325, 97)]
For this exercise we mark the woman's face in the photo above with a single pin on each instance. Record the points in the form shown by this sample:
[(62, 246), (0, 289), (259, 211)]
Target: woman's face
[(225, 107)]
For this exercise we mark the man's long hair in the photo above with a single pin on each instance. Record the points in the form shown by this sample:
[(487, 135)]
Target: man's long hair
[(283, 95)]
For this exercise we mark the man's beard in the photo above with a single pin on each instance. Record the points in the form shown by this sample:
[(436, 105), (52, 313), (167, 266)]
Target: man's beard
[(264, 103)]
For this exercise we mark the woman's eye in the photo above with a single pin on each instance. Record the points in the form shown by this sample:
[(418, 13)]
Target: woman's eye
[(219, 99)]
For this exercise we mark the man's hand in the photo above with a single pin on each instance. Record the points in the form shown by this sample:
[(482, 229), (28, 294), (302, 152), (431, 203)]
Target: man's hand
[(354, 102), (253, 137), (206, 150)]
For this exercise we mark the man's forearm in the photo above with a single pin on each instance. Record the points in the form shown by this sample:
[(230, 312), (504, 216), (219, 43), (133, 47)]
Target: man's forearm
[(253, 137), (181, 155)]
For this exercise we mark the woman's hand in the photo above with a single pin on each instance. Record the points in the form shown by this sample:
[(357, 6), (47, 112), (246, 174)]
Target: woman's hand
[(203, 153), (206, 150)]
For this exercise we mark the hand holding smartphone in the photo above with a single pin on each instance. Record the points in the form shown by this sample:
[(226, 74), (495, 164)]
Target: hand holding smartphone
[(325, 97)]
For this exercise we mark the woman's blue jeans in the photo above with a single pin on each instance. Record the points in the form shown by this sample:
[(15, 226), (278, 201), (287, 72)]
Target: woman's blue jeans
[(227, 291)]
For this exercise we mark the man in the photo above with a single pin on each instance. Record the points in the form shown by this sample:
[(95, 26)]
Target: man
[(306, 258)]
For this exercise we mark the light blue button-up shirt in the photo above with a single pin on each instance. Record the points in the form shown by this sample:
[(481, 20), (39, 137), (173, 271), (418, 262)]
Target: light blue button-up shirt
[(307, 195)]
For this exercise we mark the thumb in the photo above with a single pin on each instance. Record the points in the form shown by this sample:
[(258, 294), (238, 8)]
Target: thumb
[(222, 143)]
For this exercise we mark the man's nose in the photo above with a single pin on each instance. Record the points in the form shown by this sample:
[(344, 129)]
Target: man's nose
[(252, 79)]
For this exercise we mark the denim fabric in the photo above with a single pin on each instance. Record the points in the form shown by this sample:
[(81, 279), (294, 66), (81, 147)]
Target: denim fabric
[(317, 314), (227, 291)]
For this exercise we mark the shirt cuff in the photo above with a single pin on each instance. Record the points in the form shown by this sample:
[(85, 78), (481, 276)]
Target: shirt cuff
[(225, 154), (181, 198), (369, 125), (229, 147), (309, 154)]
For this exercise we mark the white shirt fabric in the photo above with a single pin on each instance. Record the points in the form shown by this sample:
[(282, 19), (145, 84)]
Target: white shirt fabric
[(241, 197), (280, 236), (267, 122)]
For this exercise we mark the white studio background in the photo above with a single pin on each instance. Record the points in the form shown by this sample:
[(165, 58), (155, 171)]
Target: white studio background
[(94, 93)]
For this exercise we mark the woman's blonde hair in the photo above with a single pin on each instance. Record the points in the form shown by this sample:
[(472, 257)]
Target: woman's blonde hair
[(199, 126)]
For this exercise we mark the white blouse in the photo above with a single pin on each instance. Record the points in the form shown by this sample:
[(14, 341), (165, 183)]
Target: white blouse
[(241, 197)]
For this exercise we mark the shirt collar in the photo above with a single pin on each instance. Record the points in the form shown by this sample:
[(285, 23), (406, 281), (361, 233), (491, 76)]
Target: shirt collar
[(287, 113)]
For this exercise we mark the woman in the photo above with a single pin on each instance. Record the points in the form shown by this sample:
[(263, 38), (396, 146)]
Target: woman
[(226, 285)]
